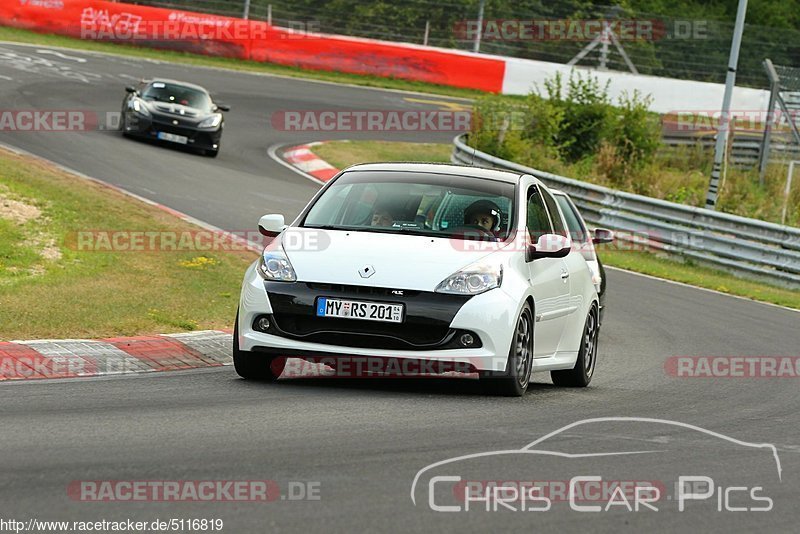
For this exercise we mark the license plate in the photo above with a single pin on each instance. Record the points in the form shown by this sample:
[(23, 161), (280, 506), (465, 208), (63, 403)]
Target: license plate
[(354, 309), (164, 136)]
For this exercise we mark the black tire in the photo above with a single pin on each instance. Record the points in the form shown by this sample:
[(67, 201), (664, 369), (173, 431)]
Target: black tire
[(581, 375), (254, 365), (211, 153), (513, 382)]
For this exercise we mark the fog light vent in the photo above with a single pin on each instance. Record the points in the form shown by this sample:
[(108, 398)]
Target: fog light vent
[(262, 324)]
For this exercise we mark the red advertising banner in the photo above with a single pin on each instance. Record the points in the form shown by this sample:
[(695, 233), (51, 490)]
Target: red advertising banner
[(255, 40)]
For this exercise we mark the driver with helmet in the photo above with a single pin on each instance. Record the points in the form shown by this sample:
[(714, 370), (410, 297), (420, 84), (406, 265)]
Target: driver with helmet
[(483, 213)]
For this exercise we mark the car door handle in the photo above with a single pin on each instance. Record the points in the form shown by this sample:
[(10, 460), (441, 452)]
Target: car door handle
[(564, 275)]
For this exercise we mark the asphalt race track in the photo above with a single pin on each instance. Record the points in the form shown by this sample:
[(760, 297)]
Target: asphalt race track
[(360, 443)]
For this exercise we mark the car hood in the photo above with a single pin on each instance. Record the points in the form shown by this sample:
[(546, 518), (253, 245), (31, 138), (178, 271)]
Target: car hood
[(395, 261), (178, 110)]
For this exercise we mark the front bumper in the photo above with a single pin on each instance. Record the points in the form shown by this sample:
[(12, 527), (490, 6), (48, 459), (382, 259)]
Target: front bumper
[(149, 126), (424, 335)]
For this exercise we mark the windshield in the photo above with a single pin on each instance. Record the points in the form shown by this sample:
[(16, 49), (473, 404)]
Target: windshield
[(177, 94), (438, 205)]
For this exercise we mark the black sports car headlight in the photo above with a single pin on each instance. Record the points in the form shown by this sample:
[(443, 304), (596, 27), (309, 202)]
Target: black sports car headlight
[(212, 122), (140, 107)]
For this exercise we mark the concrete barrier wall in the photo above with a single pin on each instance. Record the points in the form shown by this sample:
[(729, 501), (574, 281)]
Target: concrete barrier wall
[(669, 94)]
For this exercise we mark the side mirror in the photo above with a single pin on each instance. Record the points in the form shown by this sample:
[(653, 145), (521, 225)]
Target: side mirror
[(271, 225), (130, 89), (602, 235), (549, 246), (223, 107)]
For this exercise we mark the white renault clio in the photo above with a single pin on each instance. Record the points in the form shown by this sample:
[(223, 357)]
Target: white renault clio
[(423, 262)]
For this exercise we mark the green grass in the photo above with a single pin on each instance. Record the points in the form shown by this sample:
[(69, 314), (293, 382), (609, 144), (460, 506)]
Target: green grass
[(340, 154), (50, 288), (26, 36), (344, 153)]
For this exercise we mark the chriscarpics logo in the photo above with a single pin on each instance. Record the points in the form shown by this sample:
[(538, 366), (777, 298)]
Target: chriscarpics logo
[(609, 465)]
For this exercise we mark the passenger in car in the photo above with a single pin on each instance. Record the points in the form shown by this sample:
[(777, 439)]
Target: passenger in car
[(382, 217)]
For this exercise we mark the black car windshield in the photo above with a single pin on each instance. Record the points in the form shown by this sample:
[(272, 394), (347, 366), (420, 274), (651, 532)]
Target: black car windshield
[(438, 205), (177, 94)]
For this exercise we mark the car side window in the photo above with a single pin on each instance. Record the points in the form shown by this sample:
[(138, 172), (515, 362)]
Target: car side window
[(538, 223), (555, 214), (576, 228)]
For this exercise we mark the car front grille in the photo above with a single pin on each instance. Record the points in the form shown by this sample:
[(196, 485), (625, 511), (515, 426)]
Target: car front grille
[(426, 323), (367, 334)]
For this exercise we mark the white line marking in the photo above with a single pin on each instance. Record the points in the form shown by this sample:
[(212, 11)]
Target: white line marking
[(129, 376), (684, 284), (62, 56), (313, 165), (272, 152)]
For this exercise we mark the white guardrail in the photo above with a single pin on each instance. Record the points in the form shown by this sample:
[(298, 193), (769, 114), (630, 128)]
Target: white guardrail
[(746, 247)]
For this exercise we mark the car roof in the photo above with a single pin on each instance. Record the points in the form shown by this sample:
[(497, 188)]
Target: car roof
[(440, 168), (176, 82)]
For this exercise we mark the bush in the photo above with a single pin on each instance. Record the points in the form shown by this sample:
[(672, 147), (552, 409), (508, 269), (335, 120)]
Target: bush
[(586, 115), (635, 134), (568, 123), (574, 130)]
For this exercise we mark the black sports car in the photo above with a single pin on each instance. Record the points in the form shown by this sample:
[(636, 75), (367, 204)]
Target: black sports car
[(175, 112)]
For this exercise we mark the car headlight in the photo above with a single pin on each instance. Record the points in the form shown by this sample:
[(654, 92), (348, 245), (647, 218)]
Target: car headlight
[(472, 280), (211, 122), (139, 107), (275, 265)]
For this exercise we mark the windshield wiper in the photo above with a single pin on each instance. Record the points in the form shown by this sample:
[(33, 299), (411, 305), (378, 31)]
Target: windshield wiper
[(329, 227), (374, 229)]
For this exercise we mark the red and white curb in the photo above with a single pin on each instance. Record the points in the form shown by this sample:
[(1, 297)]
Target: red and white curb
[(303, 158), (75, 358)]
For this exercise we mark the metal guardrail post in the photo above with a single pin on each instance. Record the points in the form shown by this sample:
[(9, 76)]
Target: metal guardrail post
[(787, 191), (763, 157)]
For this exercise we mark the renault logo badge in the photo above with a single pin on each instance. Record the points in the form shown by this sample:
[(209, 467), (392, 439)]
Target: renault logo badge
[(366, 271)]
